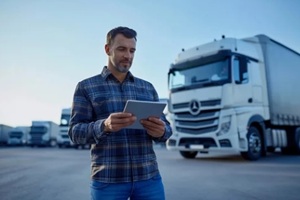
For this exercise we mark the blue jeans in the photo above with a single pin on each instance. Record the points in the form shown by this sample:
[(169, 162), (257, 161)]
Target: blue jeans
[(151, 189)]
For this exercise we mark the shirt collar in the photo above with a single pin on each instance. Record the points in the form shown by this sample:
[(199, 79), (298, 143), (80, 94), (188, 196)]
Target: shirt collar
[(107, 73)]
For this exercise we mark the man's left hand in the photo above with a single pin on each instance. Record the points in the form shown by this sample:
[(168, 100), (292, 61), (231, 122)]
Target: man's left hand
[(154, 126)]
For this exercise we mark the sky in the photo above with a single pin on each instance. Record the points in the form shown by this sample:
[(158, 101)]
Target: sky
[(47, 47)]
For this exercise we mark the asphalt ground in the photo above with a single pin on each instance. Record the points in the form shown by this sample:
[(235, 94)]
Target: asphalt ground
[(59, 174)]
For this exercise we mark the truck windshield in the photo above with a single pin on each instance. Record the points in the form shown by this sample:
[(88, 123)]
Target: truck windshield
[(210, 74)]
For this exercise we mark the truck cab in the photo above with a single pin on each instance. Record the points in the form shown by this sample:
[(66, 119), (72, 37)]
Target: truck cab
[(215, 90), (43, 133), (63, 139), (18, 135)]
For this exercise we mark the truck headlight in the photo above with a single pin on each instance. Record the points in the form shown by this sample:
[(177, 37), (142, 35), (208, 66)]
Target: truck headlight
[(225, 126)]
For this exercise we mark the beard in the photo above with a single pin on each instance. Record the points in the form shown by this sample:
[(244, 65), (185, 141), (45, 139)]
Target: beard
[(123, 67)]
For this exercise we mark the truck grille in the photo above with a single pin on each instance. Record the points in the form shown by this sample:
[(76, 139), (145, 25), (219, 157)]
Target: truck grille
[(206, 121), (37, 133), (36, 137), (203, 104), (17, 135)]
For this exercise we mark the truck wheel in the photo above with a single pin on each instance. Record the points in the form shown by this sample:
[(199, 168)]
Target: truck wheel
[(53, 143), (189, 154), (271, 149), (297, 139), (254, 145), (293, 147)]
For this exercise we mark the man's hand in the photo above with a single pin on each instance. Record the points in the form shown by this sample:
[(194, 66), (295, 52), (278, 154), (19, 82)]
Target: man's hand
[(154, 126), (117, 121)]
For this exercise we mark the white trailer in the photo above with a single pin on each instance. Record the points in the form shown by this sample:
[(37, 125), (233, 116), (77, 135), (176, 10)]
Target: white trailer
[(235, 94), (43, 133), (18, 135), (4, 130)]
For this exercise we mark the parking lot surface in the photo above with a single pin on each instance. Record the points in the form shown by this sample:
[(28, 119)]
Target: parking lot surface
[(58, 174)]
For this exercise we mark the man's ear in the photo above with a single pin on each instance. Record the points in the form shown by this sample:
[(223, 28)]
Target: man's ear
[(107, 49)]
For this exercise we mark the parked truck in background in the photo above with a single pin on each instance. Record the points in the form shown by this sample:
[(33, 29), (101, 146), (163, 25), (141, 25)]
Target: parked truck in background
[(63, 139), (235, 94), (4, 130), (43, 133), (18, 135), (165, 100)]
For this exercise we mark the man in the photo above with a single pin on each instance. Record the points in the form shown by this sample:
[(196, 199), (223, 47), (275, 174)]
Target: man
[(123, 162)]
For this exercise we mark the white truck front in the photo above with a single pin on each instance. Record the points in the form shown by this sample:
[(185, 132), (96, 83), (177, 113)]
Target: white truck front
[(43, 133), (215, 89), (63, 139), (18, 135)]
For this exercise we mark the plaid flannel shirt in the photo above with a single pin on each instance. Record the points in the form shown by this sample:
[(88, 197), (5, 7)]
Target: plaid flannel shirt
[(123, 156)]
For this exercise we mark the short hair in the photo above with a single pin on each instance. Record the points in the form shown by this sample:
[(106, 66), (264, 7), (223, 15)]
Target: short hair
[(125, 31)]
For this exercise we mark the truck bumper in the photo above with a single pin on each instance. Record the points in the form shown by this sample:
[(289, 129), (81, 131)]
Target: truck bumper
[(229, 142)]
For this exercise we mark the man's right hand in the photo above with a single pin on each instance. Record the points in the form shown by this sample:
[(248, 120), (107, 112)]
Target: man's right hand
[(117, 121)]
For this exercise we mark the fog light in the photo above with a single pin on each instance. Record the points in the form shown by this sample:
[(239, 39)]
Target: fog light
[(225, 126)]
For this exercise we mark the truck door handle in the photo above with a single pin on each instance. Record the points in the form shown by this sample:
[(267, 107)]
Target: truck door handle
[(250, 100)]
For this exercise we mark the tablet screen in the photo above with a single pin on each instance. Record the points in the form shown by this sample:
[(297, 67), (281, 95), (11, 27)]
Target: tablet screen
[(143, 110)]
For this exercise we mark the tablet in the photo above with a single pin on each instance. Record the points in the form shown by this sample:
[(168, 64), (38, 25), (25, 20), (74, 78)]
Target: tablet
[(143, 110)]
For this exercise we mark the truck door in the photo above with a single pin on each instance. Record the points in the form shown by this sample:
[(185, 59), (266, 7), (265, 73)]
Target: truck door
[(242, 89), (256, 82)]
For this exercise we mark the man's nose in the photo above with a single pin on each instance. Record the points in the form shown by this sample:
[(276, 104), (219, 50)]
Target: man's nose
[(128, 54)]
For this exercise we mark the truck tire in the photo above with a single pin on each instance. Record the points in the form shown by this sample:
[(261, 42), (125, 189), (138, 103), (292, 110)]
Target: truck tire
[(271, 149), (189, 154), (293, 147), (297, 139), (254, 141), (83, 146), (52, 143)]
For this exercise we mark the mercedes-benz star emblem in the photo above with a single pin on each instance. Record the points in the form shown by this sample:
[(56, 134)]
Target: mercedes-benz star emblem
[(195, 107)]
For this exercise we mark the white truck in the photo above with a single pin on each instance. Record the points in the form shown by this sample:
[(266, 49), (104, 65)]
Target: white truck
[(165, 100), (235, 94), (43, 133), (18, 135), (63, 139), (4, 131)]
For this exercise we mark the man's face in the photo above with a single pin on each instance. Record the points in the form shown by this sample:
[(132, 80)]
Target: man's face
[(121, 53)]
